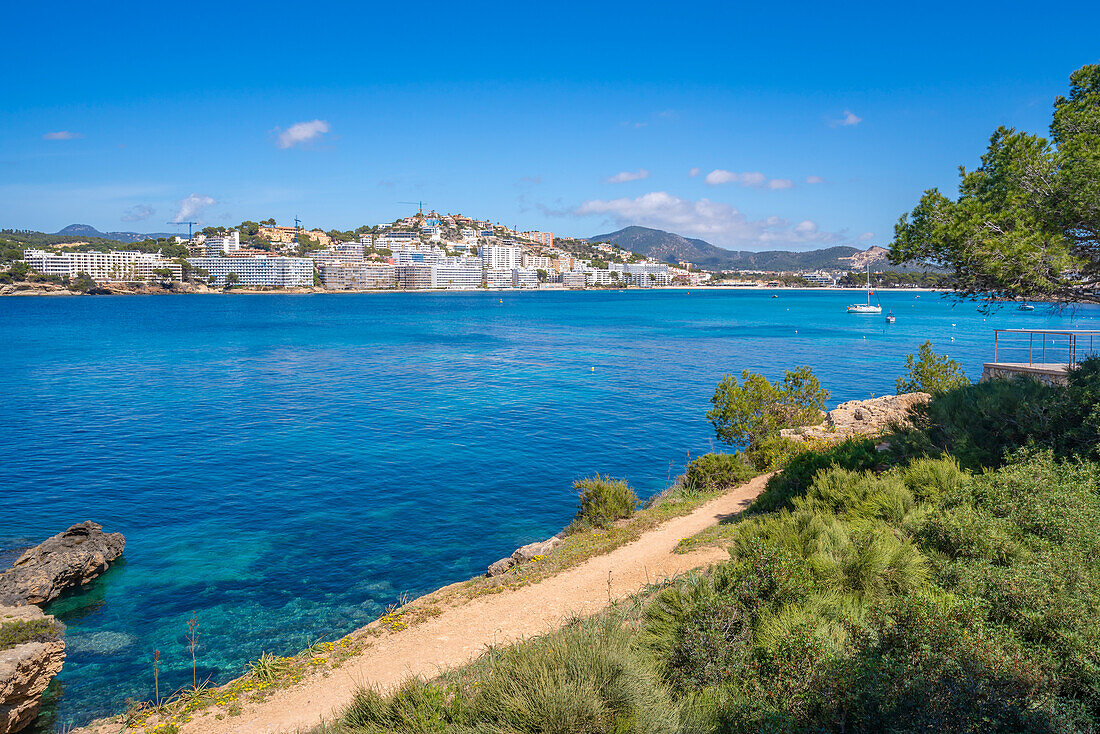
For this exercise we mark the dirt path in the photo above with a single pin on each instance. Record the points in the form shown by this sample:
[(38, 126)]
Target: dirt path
[(462, 633)]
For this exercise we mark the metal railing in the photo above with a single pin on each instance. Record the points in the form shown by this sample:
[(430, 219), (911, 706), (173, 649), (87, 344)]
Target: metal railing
[(1073, 344)]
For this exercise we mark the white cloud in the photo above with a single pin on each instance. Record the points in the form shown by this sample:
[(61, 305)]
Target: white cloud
[(815, 180), (753, 179), (191, 208), (866, 236), (302, 132), (625, 176), (850, 118), (137, 213), (694, 171), (62, 135), (721, 224)]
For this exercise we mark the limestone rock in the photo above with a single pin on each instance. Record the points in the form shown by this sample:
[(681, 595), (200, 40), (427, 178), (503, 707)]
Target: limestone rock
[(861, 417), (524, 554), (27, 668), (68, 559), (501, 566)]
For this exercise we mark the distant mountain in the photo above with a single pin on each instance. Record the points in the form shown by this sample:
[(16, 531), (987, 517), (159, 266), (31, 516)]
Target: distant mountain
[(672, 248), (87, 230)]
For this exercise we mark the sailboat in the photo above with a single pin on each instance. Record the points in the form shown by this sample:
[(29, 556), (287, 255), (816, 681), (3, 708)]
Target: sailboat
[(890, 318), (866, 308)]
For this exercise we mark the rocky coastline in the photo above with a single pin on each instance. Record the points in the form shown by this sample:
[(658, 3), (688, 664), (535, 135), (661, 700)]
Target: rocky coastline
[(32, 648)]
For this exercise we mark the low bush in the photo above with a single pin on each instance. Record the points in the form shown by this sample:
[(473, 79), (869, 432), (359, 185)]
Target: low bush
[(855, 454), (588, 678), (981, 424), (713, 472), (18, 631), (603, 501)]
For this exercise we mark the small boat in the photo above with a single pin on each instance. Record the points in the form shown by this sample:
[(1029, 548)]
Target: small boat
[(890, 318), (774, 296), (1026, 307), (866, 308)]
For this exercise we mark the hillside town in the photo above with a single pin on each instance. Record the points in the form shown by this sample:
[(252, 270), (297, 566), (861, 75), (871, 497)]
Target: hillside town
[(425, 251)]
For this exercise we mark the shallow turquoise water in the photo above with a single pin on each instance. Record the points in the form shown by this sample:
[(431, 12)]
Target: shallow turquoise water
[(285, 466)]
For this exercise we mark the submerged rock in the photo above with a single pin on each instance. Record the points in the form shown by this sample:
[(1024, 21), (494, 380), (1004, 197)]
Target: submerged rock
[(68, 559), (33, 657), (524, 554)]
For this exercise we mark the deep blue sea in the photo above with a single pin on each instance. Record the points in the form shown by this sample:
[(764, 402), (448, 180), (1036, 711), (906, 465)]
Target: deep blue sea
[(285, 466)]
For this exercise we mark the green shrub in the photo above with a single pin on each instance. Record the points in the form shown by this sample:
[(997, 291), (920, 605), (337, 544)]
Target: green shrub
[(17, 631), (979, 424), (855, 454), (1081, 413), (603, 501), (712, 472), (747, 413), (588, 678), (931, 373)]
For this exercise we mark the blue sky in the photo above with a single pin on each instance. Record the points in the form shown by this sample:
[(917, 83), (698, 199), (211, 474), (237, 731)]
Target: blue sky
[(754, 126)]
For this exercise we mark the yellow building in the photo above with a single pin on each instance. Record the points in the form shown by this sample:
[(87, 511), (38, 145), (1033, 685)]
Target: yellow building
[(285, 235)]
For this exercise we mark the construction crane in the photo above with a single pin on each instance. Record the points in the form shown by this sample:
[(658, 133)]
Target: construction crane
[(419, 205), (189, 225), (297, 226)]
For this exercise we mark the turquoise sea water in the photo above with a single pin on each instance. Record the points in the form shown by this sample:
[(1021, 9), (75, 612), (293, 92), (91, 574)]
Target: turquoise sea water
[(285, 466)]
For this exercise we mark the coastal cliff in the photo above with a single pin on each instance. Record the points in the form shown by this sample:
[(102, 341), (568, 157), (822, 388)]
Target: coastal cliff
[(31, 654)]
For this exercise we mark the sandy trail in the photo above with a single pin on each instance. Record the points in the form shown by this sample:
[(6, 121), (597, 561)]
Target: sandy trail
[(462, 633)]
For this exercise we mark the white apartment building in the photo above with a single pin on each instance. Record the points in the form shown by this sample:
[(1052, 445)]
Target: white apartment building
[(277, 271), (597, 277), (395, 240), (573, 279), (644, 275), (344, 252), (222, 244), (501, 257), (457, 277), (102, 267), (525, 278), (366, 240), (498, 278), (357, 276), (820, 278)]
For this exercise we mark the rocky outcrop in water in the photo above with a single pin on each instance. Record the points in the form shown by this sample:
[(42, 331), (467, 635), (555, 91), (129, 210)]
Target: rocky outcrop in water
[(524, 554), (31, 654), (68, 559), (861, 417)]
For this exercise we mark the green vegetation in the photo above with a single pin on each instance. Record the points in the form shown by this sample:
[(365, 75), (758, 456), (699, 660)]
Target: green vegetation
[(1026, 222), (981, 424), (931, 373), (603, 501), (18, 631), (748, 413), (946, 584), (714, 472), (895, 279), (589, 677)]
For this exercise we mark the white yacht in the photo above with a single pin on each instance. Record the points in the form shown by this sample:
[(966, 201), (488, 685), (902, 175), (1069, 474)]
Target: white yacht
[(866, 308)]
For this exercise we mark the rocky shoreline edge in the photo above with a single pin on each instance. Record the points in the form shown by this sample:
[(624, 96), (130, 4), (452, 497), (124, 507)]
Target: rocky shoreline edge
[(32, 646)]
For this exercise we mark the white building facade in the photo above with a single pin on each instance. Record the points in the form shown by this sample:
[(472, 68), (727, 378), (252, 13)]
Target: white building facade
[(103, 267), (275, 272)]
